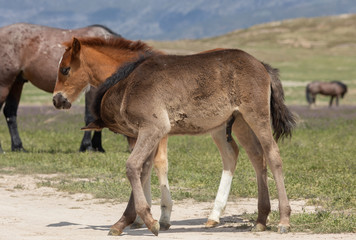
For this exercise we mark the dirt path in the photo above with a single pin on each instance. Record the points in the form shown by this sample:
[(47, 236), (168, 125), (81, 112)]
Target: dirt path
[(29, 212)]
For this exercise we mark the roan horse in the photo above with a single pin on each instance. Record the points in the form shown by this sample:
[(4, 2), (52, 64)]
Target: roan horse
[(31, 53), (103, 57), (334, 89), (161, 95)]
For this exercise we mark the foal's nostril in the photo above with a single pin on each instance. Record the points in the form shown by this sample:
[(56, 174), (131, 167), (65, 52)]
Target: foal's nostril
[(61, 102)]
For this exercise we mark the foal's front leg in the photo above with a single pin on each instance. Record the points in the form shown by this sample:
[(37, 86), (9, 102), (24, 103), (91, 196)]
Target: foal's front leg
[(130, 212), (160, 164), (138, 169)]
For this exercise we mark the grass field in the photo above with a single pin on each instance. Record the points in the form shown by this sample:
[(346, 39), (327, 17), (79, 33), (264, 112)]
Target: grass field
[(318, 161)]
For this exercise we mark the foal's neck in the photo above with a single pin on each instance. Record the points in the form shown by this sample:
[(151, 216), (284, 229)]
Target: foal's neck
[(104, 62)]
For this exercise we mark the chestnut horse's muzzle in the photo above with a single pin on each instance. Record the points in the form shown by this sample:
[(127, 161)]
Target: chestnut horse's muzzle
[(60, 102)]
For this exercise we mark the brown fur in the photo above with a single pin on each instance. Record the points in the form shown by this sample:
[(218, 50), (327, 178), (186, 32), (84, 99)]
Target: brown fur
[(30, 53), (189, 95), (335, 89), (192, 95)]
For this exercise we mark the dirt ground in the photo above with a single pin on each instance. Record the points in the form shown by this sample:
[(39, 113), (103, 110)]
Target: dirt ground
[(28, 212)]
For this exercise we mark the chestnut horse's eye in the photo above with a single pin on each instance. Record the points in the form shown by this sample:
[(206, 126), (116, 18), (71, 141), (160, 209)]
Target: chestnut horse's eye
[(65, 70)]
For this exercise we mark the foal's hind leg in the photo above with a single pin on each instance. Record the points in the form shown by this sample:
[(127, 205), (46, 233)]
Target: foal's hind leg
[(229, 153), (253, 148), (259, 121)]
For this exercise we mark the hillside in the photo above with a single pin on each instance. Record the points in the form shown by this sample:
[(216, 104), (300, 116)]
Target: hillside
[(167, 19), (304, 49)]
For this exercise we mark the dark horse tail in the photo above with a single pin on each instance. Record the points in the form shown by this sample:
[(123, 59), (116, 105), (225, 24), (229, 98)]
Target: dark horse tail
[(283, 120), (308, 95)]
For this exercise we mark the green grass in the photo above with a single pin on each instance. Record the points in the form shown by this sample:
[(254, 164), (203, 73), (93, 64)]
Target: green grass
[(318, 162)]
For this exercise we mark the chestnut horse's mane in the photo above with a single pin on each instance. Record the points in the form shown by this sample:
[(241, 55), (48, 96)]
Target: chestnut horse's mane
[(120, 43)]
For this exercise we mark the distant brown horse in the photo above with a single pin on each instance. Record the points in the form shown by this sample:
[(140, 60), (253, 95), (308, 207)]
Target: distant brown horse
[(31, 53), (162, 95), (102, 58), (334, 89)]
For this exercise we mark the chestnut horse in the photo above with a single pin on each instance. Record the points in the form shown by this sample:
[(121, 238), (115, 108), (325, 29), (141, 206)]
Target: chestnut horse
[(162, 94), (334, 89), (31, 53), (103, 58)]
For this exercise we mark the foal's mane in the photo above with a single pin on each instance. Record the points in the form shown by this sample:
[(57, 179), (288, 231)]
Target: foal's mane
[(115, 42), (122, 73)]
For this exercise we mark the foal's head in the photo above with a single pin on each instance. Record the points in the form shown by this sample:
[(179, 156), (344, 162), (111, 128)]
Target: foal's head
[(71, 77)]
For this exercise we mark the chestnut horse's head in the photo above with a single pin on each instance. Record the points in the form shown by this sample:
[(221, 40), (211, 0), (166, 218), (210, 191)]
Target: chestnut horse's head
[(72, 77)]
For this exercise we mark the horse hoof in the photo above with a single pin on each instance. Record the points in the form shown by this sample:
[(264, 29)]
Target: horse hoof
[(211, 223), (136, 225), (259, 227), (164, 226), (114, 232), (155, 228), (283, 229), (19, 149)]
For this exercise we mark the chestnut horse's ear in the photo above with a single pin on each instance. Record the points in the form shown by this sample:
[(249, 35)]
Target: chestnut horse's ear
[(75, 46)]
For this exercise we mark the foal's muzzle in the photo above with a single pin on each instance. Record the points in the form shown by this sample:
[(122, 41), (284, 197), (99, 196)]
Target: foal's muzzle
[(61, 102)]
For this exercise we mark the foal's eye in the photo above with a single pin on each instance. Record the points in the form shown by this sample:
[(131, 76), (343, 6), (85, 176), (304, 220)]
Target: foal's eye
[(65, 70)]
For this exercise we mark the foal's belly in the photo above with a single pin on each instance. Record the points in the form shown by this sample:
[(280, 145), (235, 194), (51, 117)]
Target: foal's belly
[(198, 121)]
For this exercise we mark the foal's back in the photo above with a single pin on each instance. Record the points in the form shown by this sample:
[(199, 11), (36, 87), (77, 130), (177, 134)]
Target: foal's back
[(209, 86)]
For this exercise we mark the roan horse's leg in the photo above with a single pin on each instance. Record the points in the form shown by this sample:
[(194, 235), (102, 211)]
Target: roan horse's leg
[(10, 112), (253, 148), (259, 121), (229, 153), (87, 143)]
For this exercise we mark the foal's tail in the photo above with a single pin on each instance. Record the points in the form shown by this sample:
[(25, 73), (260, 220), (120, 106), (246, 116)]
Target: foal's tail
[(283, 120), (308, 95)]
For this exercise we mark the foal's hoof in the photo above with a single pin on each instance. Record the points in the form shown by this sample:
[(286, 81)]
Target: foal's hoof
[(259, 227), (283, 228), (164, 226), (136, 225), (211, 223), (155, 228), (114, 232)]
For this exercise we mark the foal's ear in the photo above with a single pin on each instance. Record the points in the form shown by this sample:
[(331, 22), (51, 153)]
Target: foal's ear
[(97, 125), (75, 46)]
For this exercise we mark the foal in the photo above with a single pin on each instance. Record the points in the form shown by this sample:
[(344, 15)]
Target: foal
[(100, 58), (162, 95)]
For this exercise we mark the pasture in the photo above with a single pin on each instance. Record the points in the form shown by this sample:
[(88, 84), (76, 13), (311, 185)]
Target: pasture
[(319, 163)]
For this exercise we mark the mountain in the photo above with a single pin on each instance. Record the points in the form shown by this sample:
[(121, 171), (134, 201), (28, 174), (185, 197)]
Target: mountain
[(166, 19)]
